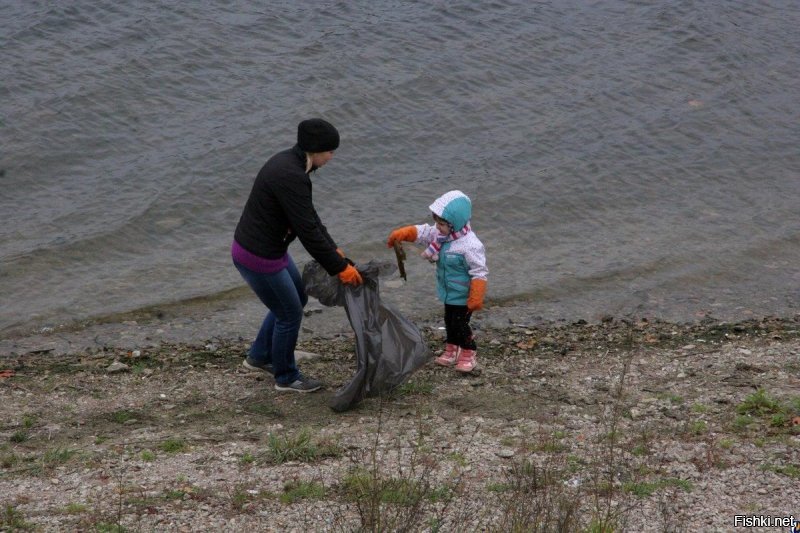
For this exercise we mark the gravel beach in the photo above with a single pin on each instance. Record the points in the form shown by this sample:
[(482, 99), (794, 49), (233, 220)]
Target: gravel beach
[(620, 425)]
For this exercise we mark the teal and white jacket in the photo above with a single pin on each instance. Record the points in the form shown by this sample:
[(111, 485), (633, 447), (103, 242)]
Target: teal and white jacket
[(461, 258)]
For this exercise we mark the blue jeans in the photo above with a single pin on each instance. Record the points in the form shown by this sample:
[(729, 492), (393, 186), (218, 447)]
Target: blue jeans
[(285, 297)]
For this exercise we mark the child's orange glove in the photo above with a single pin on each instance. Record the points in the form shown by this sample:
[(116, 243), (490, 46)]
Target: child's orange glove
[(350, 276), (477, 290), (406, 233)]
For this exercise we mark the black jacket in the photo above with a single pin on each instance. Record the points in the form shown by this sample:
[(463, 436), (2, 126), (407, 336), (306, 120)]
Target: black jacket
[(280, 208)]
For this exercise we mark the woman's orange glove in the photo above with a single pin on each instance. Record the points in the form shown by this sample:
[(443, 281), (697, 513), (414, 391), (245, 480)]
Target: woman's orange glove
[(477, 290), (406, 233), (350, 276)]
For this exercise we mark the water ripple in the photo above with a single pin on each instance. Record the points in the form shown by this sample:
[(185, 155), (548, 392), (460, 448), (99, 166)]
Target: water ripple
[(622, 155)]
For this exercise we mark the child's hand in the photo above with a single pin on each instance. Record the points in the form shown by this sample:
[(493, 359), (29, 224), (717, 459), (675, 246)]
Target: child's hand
[(406, 233), (477, 290)]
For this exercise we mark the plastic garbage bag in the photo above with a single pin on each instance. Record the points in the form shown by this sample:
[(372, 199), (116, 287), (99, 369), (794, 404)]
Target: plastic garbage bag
[(389, 347)]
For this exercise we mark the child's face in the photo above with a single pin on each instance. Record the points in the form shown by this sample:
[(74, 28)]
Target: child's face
[(442, 225)]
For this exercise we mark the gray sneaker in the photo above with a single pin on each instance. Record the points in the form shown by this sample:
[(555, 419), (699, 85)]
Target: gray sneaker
[(301, 384), (249, 364)]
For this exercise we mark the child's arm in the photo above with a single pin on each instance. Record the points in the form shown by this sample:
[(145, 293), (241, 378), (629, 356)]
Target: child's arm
[(426, 233), (423, 234), (476, 261), (477, 291)]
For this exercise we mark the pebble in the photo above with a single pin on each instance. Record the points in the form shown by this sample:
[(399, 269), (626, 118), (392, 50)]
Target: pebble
[(116, 367)]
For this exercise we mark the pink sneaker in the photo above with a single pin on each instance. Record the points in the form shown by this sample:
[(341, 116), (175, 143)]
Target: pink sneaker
[(467, 360), (449, 355)]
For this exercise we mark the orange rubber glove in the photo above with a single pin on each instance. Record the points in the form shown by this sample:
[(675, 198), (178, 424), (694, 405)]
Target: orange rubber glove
[(477, 290), (350, 276), (406, 233)]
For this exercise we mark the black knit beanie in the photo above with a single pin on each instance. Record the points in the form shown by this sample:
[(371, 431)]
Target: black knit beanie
[(317, 135)]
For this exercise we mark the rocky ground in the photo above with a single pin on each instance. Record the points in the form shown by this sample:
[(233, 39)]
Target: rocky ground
[(618, 425)]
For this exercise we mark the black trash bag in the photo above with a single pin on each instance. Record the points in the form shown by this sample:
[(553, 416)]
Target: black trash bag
[(389, 347)]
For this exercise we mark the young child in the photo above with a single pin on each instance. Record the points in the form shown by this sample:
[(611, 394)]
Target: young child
[(460, 272)]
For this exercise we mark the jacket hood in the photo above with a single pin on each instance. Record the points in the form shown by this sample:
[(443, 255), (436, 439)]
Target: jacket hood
[(455, 207)]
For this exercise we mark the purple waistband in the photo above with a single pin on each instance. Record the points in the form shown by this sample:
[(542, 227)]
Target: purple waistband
[(262, 265)]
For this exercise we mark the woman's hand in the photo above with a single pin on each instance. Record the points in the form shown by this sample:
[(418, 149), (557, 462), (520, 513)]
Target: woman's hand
[(350, 276)]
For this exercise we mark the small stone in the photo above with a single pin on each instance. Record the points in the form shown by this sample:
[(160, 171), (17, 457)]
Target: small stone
[(117, 367), (505, 453)]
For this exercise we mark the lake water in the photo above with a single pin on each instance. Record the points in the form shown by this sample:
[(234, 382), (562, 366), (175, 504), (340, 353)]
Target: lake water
[(624, 157)]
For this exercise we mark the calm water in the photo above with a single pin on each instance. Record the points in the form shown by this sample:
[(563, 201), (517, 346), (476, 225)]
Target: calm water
[(624, 157)]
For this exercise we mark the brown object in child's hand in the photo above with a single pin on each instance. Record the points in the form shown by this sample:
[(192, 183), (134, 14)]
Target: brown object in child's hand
[(401, 257)]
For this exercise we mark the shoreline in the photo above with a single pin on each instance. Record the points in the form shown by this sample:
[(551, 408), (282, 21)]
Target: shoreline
[(238, 317), (236, 312)]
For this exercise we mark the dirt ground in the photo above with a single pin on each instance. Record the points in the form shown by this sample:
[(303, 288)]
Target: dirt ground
[(614, 426)]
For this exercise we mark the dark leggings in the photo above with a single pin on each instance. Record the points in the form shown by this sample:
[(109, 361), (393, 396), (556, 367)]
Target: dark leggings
[(456, 323)]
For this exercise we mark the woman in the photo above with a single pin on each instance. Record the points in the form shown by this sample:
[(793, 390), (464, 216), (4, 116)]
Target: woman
[(278, 210)]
